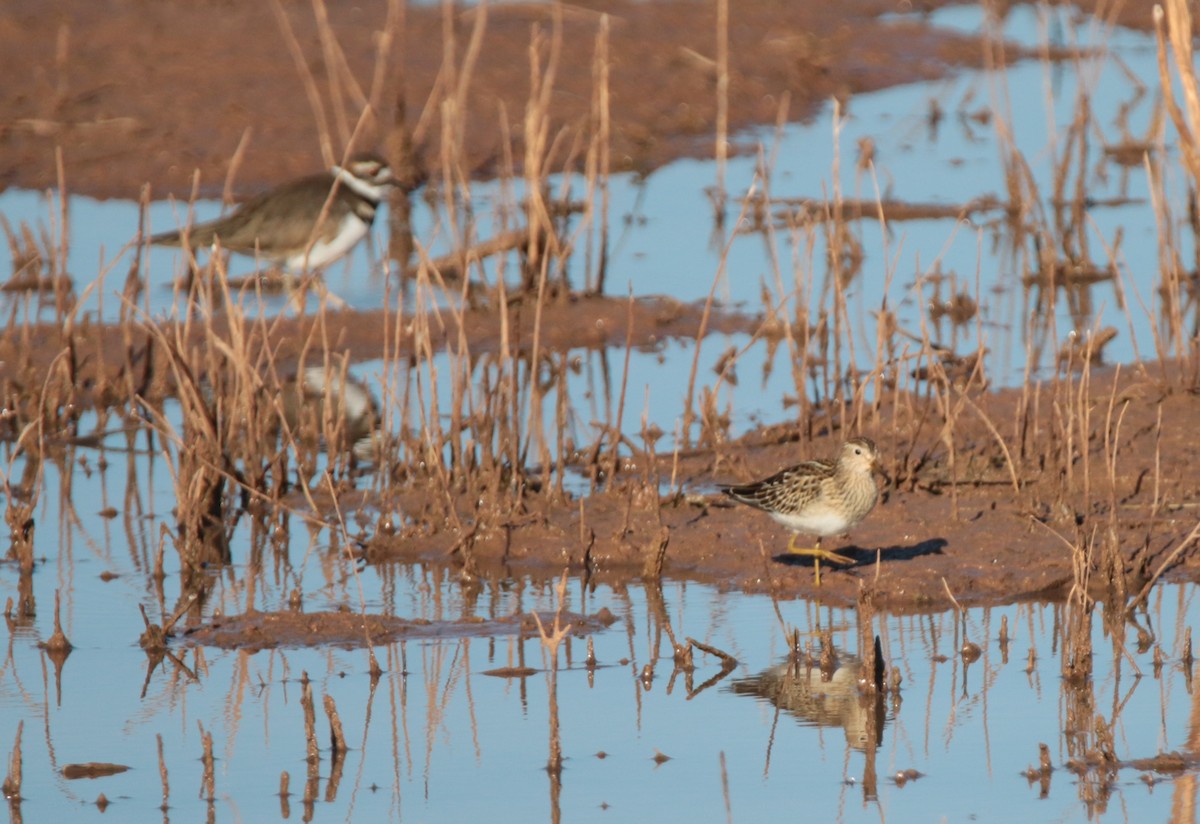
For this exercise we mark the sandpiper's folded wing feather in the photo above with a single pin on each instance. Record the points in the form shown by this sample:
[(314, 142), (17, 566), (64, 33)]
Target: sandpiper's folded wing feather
[(799, 481)]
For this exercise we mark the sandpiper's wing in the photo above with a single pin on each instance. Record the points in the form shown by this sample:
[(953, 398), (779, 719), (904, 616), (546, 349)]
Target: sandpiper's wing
[(781, 491)]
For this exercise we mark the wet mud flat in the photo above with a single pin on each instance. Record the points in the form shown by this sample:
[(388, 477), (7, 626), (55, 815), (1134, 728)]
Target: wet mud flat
[(1113, 508), (70, 66), (1086, 480), (256, 631)]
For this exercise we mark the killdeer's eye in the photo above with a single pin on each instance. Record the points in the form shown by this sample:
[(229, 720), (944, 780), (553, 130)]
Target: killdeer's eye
[(857, 450)]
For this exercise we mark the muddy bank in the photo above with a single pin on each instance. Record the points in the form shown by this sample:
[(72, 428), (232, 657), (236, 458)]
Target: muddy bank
[(989, 496), (135, 92), (1118, 492), (270, 630), (106, 361)]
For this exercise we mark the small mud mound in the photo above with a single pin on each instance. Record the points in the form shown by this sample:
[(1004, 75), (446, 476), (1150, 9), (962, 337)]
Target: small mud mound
[(267, 630)]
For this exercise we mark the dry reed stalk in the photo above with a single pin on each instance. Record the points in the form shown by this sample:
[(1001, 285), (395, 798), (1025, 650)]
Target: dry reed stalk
[(342, 84), (162, 775), (1177, 39), (615, 433), (312, 750), (57, 642), (452, 107), (1112, 563), (838, 239), (543, 242), (320, 116), (550, 641), (884, 325), (208, 778), (13, 778), (394, 422), (427, 452), (598, 163), (689, 413), (534, 426), (285, 795), (334, 61), (722, 91), (337, 737), (63, 304), (229, 418), (1083, 412), (538, 148)]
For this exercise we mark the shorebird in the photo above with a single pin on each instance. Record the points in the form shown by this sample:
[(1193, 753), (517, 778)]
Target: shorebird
[(281, 225), (820, 497)]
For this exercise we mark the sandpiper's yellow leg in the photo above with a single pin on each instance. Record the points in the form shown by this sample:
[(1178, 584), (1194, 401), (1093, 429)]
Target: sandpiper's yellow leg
[(817, 552)]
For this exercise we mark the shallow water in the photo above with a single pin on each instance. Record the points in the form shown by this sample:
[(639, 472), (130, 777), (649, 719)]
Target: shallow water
[(437, 739)]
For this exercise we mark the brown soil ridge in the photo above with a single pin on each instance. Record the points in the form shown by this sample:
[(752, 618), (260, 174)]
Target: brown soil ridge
[(103, 360), (135, 93), (945, 530), (269, 630)]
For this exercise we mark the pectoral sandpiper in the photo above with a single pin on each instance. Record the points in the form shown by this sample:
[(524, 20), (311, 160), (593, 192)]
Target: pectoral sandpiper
[(821, 497)]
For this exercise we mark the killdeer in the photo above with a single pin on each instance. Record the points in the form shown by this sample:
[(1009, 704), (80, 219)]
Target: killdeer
[(279, 225), (318, 403)]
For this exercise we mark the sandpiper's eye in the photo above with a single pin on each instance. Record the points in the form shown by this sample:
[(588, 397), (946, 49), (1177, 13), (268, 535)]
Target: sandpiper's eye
[(857, 451)]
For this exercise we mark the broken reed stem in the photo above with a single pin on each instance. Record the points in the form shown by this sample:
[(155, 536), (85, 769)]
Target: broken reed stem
[(599, 161), (550, 643), (615, 433), (285, 795), (725, 789), (12, 781), (336, 737), (162, 775), (208, 780), (58, 640), (312, 751), (722, 142), (727, 660), (953, 600), (1164, 566)]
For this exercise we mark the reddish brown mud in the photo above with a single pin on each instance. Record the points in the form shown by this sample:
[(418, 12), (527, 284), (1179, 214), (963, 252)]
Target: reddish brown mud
[(138, 92), (135, 92)]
